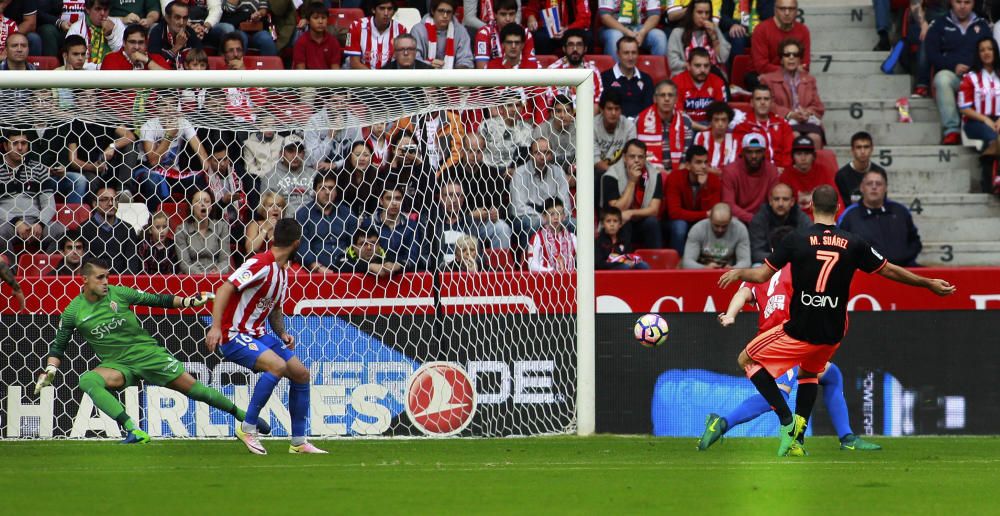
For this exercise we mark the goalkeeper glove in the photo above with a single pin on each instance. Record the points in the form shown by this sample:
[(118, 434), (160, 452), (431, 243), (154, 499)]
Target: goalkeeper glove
[(45, 379), (198, 300)]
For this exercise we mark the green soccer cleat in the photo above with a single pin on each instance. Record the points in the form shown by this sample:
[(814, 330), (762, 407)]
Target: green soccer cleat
[(855, 443), (135, 436), (715, 426), (790, 433)]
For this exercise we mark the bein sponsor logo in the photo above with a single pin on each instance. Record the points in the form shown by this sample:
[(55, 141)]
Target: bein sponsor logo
[(818, 301)]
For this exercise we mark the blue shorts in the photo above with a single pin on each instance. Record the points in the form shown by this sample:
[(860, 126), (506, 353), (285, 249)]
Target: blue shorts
[(244, 349)]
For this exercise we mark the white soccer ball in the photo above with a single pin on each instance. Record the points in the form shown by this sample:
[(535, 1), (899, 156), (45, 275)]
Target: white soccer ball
[(651, 330)]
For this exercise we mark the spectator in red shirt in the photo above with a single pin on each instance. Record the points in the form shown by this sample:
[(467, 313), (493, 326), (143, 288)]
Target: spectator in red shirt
[(764, 51), (697, 88), (488, 44), (806, 174), (318, 50), (746, 182), (778, 134), (134, 55), (796, 97), (512, 39), (574, 14), (691, 193)]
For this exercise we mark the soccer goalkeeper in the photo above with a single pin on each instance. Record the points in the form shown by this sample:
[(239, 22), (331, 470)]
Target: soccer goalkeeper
[(127, 352)]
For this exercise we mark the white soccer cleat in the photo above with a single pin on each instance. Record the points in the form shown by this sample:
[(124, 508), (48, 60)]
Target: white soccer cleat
[(305, 448), (250, 440)]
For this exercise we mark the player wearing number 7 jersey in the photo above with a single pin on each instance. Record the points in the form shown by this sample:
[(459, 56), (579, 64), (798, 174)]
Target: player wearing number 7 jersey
[(101, 316), (823, 260), (259, 287)]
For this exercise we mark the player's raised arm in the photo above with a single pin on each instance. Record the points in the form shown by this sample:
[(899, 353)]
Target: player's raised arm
[(758, 274), (222, 297), (901, 275), (740, 298)]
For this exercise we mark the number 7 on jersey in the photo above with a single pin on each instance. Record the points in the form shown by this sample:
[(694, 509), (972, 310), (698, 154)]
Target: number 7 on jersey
[(829, 259)]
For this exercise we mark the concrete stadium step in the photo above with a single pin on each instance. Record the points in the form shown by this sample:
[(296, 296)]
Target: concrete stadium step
[(827, 18), (950, 205), (829, 60), (862, 86), (955, 253), (963, 229), (869, 111), (885, 134), (918, 157), (845, 38)]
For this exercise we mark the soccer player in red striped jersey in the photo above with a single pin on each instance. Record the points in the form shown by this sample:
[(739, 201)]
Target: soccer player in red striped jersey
[(260, 286), (823, 260)]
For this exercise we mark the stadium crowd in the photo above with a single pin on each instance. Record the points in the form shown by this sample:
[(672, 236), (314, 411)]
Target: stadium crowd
[(709, 134)]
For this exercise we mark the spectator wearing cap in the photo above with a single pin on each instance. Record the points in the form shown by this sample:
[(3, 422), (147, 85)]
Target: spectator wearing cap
[(633, 186), (633, 18), (951, 44), (634, 86), (718, 242), (886, 225), (778, 135), (691, 193), (794, 94), (764, 51), (780, 210), (666, 130), (291, 177), (806, 174), (849, 176), (747, 181)]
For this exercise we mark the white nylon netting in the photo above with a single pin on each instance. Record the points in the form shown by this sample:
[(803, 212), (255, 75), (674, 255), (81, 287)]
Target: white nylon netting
[(446, 177)]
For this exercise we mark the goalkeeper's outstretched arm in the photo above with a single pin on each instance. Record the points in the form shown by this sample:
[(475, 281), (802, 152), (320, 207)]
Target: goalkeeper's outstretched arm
[(138, 298)]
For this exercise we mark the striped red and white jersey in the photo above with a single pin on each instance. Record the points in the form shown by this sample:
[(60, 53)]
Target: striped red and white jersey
[(720, 152), (373, 47), (981, 92), (563, 64), (262, 285)]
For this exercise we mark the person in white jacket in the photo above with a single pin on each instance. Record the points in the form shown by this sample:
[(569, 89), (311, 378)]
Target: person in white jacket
[(102, 33)]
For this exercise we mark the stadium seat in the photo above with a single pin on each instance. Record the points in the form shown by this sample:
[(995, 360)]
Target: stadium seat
[(603, 62), (655, 66), (500, 259), (38, 264), (263, 63), (741, 65), (216, 63), (176, 213), (545, 60), (745, 107), (828, 159), (408, 16), (342, 17), (44, 62), (72, 215), (659, 258)]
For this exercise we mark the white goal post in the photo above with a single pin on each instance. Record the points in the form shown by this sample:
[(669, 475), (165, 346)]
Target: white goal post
[(581, 80)]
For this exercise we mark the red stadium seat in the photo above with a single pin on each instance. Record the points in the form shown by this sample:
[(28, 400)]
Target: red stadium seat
[(216, 63), (602, 61), (344, 16), (38, 264), (72, 215), (545, 60), (263, 63), (176, 213), (655, 66), (828, 159), (659, 258), (741, 65), (500, 259), (44, 62), (745, 107)]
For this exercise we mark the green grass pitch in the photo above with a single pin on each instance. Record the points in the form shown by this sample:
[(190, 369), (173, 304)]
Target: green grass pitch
[(556, 475)]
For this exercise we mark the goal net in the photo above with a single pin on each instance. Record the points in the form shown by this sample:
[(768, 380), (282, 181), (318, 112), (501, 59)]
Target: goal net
[(433, 293)]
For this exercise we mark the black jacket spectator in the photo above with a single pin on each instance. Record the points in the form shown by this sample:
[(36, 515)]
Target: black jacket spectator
[(765, 221), (888, 229), (637, 92), (116, 242)]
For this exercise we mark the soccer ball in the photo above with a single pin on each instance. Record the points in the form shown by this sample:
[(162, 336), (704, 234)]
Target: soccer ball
[(651, 330)]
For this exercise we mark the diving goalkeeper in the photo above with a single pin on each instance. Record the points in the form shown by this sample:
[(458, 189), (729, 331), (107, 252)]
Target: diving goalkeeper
[(127, 352)]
